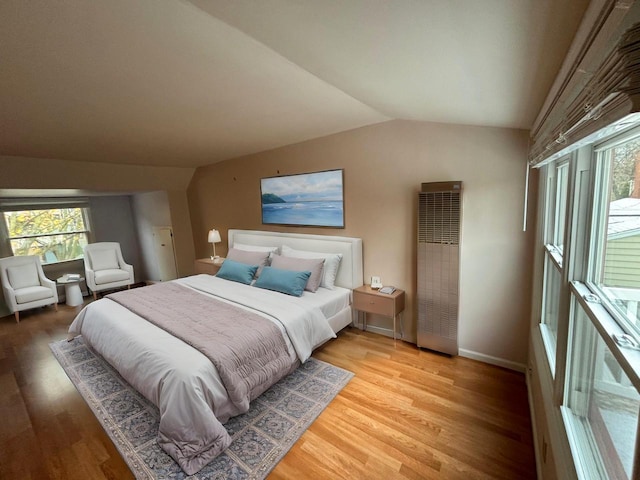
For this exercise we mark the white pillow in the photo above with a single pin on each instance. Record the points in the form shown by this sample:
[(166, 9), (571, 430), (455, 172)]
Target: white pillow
[(331, 263), (22, 276), (255, 248), (104, 260)]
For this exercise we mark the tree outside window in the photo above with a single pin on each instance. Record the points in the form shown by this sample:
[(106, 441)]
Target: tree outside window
[(54, 235)]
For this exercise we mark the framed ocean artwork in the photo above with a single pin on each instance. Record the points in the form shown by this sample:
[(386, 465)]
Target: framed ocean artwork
[(306, 199)]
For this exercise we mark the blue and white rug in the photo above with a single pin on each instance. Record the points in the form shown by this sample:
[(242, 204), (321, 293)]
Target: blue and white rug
[(261, 437)]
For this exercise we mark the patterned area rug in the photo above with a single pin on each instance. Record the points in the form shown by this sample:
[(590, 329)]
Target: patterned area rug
[(261, 437)]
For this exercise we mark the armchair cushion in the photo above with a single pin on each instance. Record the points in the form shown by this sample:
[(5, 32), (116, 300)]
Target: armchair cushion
[(104, 260), (32, 294), (22, 276), (111, 275)]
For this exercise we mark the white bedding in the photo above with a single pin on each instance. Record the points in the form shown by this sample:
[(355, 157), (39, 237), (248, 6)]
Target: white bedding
[(305, 323), (180, 380), (330, 302)]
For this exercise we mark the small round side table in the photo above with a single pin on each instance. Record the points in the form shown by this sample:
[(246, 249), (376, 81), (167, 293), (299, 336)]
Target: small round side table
[(71, 290)]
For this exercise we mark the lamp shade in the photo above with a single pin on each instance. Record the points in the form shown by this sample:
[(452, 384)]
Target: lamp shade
[(214, 236)]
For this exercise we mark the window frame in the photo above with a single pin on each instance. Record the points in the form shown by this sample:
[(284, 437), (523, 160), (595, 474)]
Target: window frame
[(554, 255)]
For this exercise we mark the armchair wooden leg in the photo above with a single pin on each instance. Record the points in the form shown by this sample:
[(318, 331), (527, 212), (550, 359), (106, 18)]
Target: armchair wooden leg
[(128, 287), (95, 296), (17, 314), (55, 305)]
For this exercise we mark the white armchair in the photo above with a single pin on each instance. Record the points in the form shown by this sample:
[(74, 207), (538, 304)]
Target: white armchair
[(25, 285), (105, 268)]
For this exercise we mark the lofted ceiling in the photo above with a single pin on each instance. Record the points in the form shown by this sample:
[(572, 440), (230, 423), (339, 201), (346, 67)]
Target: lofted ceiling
[(188, 83)]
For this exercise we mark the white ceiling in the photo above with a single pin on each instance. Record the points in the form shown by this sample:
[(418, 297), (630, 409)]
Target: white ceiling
[(187, 83)]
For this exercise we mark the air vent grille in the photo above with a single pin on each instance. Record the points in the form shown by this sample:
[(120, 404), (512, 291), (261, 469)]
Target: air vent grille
[(439, 218), (439, 232)]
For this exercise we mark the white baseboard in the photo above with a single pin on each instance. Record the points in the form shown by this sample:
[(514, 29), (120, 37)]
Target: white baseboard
[(500, 362), (387, 332)]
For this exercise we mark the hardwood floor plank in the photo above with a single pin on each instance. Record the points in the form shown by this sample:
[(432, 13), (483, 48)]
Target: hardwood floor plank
[(407, 414), (333, 433), (391, 447), (373, 429), (335, 463), (18, 455), (14, 412)]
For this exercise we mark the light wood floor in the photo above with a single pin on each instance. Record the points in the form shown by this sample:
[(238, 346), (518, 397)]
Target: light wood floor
[(406, 414)]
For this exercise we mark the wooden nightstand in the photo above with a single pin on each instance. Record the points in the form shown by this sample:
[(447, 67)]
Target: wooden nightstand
[(368, 300), (206, 265)]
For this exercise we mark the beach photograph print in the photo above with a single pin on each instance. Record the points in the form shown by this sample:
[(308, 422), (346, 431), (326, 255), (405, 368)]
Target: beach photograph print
[(307, 199)]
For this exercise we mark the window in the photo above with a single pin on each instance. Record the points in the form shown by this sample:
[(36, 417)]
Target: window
[(550, 313), (601, 403), (614, 270), (597, 378), (555, 219), (556, 205), (55, 234), (562, 179)]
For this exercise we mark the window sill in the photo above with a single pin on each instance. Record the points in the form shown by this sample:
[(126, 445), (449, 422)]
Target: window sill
[(607, 327)]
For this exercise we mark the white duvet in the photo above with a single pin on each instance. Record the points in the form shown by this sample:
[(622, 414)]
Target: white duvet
[(180, 380)]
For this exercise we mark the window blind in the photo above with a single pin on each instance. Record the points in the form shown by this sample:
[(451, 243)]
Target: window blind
[(598, 86)]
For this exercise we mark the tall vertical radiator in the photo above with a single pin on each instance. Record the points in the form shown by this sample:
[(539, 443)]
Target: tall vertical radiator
[(439, 225)]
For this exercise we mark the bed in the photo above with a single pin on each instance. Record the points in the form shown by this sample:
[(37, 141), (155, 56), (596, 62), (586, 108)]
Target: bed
[(196, 394)]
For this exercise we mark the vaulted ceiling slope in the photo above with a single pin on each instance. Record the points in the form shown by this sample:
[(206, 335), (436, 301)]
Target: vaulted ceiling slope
[(187, 83)]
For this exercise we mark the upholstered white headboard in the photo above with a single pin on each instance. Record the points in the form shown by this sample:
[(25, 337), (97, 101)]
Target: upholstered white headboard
[(350, 272)]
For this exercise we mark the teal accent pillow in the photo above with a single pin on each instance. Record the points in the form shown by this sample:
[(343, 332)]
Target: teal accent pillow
[(237, 272), (283, 281)]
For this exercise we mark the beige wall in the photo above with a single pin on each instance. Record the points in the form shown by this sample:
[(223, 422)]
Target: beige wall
[(37, 173), (384, 165)]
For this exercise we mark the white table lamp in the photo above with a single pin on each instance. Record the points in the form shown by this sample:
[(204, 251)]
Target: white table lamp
[(214, 237)]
